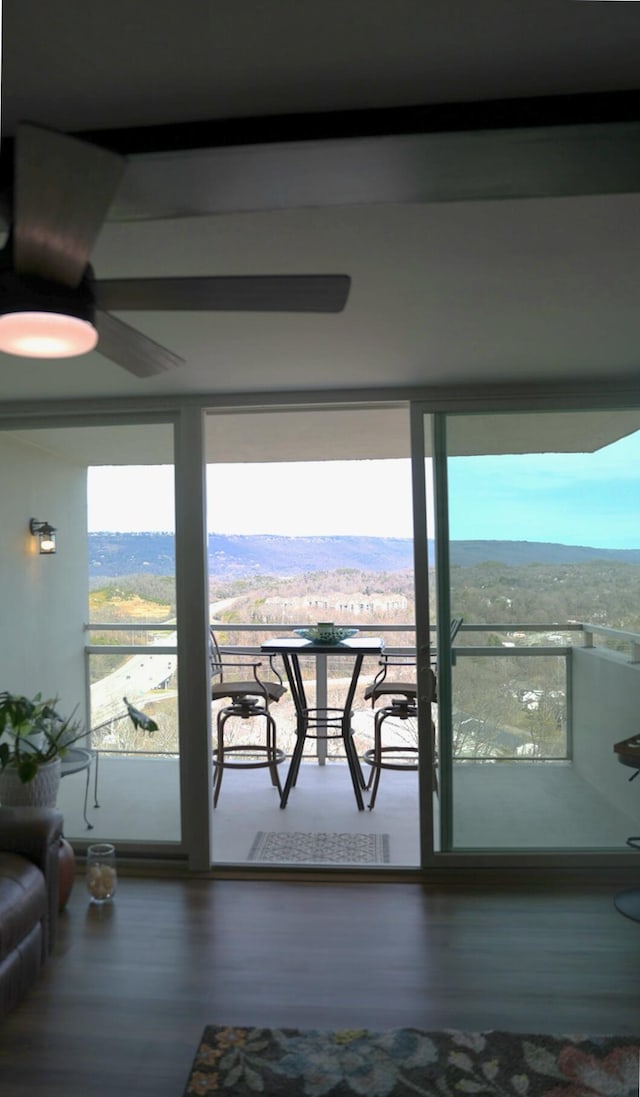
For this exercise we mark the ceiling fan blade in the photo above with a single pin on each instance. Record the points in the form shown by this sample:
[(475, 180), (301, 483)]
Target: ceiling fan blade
[(63, 189), (237, 293), (132, 350)]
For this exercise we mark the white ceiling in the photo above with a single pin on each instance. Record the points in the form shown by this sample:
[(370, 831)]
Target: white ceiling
[(80, 65), (444, 292)]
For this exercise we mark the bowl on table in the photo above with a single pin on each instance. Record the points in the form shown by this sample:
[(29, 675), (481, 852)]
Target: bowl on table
[(326, 634)]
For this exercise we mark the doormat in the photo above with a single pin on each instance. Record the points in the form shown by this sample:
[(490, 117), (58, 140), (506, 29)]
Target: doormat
[(408, 1062), (298, 847)]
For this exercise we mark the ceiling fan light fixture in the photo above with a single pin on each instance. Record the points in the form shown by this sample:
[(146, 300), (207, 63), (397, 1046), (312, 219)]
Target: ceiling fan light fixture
[(46, 334)]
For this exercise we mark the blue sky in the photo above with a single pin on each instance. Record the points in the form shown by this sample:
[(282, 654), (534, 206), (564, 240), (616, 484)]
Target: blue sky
[(580, 499), (572, 498)]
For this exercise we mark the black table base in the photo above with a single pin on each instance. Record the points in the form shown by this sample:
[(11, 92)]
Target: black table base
[(628, 903), (323, 723)]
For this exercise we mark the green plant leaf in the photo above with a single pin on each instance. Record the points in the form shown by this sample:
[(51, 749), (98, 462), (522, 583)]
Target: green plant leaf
[(33, 733), (27, 769)]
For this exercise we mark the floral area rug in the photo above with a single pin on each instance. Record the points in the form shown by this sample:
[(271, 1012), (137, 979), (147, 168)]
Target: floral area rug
[(406, 1062)]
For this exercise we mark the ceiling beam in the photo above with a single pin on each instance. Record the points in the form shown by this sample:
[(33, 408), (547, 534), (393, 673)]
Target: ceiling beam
[(555, 146), (488, 165), (601, 108)]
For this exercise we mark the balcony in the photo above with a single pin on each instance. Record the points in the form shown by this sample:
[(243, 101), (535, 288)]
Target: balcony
[(540, 808), (578, 799)]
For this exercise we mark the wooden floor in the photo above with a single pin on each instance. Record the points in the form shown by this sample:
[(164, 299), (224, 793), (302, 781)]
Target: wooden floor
[(120, 1008)]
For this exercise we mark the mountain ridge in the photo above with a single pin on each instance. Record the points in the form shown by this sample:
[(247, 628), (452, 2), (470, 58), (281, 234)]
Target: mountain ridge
[(242, 555)]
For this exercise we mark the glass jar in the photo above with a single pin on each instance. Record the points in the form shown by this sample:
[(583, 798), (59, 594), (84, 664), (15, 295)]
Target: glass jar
[(102, 876)]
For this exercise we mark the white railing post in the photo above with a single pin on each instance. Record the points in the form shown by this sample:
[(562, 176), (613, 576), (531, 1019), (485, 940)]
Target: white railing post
[(321, 702)]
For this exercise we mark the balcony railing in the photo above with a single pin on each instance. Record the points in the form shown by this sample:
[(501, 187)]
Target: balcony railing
[(145, 669), (581, 677)]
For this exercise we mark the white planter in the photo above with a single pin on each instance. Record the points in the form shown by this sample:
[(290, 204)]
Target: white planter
[(42, 791)]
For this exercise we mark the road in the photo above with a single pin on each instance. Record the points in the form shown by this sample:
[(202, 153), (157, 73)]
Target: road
[(141, 674)]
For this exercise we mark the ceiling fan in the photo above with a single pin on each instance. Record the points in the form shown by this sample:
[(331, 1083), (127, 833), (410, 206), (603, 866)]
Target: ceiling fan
[(51, 304)]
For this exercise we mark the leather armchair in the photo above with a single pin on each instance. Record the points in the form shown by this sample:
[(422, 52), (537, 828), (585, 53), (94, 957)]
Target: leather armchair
[(29, 855)]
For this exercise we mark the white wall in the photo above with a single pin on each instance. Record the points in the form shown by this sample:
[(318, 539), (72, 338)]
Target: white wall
[(43, 600), (606, 709)]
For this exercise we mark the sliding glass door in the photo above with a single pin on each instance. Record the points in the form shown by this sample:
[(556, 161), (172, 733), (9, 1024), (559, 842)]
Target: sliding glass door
[(538, 552), (310, 519), (513, 583), (99, 617)]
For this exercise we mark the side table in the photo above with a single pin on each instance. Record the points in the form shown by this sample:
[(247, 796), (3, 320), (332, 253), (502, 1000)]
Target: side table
[(78, 760)]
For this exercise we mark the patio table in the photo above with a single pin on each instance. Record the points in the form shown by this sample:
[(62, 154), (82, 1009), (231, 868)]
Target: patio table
[(323, 723)]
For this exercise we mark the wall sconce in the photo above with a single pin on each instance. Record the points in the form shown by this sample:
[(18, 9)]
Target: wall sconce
[(46, 535)]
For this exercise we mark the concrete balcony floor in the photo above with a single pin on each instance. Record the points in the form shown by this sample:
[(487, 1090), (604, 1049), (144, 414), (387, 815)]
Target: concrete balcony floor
[(509, 806)]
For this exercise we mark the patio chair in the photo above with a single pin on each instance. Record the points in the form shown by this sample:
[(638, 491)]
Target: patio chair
[(628, 754), (237, 678), (402, 704)]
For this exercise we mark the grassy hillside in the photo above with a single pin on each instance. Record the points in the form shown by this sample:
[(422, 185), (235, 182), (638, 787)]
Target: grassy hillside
[(111, 605)]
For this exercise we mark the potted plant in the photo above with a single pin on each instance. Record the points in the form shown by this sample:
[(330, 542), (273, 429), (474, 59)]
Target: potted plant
[(33, 740)]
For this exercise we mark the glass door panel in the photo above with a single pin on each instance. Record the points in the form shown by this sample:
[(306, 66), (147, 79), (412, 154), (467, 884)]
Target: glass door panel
[(309, 519), (132, 655), (99, 618), (544, 569)]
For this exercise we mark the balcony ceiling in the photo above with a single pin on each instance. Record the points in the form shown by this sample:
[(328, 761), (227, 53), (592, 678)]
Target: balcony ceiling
[(271, 138)]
